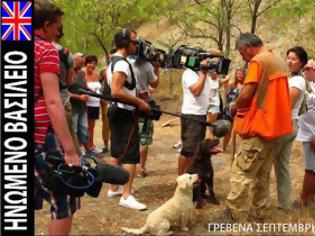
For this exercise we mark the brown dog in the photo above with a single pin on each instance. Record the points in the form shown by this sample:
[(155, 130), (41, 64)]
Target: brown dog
[(202, 166)]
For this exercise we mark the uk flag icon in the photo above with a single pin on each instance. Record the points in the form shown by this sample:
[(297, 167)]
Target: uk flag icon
[(16, 21)]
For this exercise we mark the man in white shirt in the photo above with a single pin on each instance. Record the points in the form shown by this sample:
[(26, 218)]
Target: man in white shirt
[(123, 121), (195, 103)]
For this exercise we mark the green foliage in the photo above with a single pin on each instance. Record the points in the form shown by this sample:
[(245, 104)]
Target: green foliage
[(89, 26)]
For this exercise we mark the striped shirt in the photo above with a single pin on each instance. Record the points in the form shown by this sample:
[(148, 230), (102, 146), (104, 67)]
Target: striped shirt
[(46, 59)]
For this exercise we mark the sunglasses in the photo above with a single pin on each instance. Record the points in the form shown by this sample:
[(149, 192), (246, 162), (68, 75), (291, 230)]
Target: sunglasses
[(308, 69)]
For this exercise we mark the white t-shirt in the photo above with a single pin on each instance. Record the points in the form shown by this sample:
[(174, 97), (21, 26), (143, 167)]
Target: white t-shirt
[(307, 120), (191, 104), (214, 96), (121, 66), (299, 83), (96, 87)]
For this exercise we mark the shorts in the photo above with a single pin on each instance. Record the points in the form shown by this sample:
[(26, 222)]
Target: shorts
[(61, 205), (309, 157), (80, 125), (192, 132), (124, 137), (146, 133), (93, 112)]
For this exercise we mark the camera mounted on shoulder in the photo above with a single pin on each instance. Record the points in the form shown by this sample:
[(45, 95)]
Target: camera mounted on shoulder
[(146, 50), (188, 57)]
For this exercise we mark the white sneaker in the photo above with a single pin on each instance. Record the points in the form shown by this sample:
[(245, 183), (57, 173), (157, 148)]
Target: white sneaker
[(132, 203), (97, 150), (111, 194)]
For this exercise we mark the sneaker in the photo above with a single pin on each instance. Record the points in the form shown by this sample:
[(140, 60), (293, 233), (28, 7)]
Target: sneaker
[(132, 203), (97, 150), (118, 192)]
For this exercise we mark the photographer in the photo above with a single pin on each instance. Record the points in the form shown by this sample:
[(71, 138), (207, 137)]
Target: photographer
[(123, 119), (50, 113), (147, 79), (195, 104)]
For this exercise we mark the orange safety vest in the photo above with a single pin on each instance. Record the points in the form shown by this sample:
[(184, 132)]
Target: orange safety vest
[(269, 115)]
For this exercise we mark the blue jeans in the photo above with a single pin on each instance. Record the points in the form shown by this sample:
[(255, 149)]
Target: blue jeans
[(80, 124)]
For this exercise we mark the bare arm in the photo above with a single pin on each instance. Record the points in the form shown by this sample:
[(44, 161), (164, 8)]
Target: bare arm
[(69, 76), (57, 116), (197, 87), (294, 95), (156, 83), (118, 92), (81, 97), (224, 81), (246, 96)]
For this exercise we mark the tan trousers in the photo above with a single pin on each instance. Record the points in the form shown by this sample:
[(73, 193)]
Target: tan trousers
[(250, 176)]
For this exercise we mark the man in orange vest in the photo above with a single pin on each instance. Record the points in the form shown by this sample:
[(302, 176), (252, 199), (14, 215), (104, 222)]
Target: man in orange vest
[(262, 116)]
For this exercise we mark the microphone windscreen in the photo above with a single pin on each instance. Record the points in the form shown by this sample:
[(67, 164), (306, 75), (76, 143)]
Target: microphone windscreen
[(111, 174), (221, 128)]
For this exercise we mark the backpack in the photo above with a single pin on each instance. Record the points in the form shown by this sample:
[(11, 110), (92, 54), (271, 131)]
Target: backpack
[(64, 54), (130, 86)]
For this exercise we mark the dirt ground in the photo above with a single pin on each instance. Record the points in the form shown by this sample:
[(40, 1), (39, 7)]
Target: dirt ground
[(103, 216)]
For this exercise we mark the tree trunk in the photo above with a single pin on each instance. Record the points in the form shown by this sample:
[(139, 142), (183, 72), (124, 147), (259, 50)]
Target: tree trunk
[(255, 16), (102, 45)]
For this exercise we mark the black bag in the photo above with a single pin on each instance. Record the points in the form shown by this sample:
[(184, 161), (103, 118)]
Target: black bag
[(130, 86)]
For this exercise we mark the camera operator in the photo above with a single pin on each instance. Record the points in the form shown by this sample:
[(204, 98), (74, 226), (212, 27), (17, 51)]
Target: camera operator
[(147, 80), (123, 119), (195, 103), (49, 112)]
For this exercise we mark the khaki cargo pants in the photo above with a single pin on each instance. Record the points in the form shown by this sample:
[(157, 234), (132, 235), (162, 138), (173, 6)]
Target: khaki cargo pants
[(250, 175)]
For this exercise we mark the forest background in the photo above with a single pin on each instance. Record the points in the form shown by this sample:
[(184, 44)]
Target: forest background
[(89, 26)]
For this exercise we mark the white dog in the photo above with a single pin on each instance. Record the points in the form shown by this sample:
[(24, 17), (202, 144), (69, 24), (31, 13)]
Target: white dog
[(173, 212)]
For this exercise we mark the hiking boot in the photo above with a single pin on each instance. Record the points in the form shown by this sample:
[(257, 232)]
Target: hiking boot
[(132, 203)]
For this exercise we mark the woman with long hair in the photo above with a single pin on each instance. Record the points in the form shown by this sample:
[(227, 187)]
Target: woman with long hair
[(233, 89)]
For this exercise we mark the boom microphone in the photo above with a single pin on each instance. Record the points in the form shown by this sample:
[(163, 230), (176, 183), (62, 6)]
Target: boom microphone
[(220, 127), (110, 174)]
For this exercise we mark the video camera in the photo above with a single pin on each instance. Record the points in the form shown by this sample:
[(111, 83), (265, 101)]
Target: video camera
[(60, 178), (191, 58), (147, 50)]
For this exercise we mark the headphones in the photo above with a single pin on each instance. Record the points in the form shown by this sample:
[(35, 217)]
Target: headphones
[(125, 33)]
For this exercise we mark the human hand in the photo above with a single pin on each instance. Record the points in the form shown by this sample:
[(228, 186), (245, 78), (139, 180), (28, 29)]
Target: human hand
[(72, 158), (204, 66), (157, 63), (84, 97), (143, 106)]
